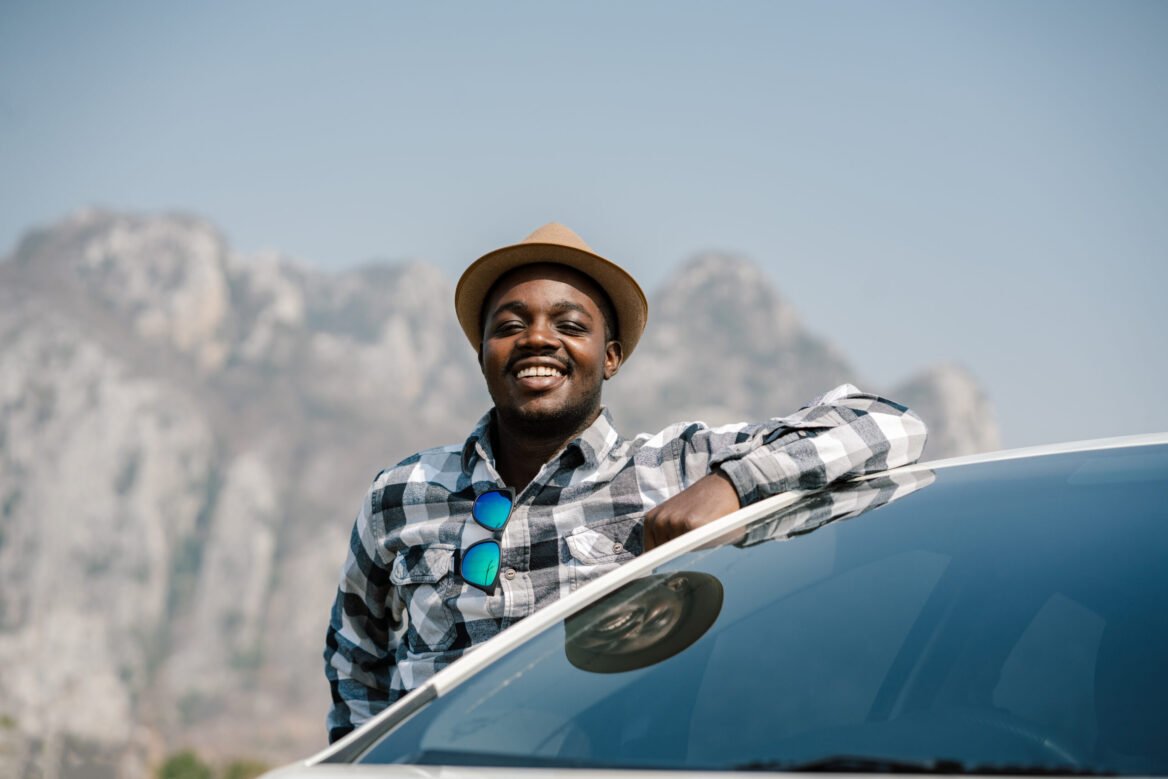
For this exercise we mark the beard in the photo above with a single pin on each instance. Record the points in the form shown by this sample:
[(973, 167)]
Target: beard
[(563, 422)]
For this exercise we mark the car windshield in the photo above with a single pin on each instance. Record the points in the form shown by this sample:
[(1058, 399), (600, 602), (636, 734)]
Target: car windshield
[(1008, 615)]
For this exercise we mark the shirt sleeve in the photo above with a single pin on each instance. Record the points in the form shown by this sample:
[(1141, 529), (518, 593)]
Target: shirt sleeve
[(840, 435), (364, 630)]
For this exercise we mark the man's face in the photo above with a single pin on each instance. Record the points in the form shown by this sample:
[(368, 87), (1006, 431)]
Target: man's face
[(544, 353)]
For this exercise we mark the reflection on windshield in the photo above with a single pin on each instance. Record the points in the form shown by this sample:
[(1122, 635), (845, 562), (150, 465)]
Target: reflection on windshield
[(844, 502), (644, 622)]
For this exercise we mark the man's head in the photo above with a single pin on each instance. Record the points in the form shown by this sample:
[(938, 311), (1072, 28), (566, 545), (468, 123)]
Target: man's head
[(551, 321), (547, 348)]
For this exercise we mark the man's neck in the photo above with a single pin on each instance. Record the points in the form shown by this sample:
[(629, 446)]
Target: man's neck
[(520, 454)]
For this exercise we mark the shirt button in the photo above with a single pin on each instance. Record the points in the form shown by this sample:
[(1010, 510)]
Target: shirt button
[(617, 548), (509, 573)]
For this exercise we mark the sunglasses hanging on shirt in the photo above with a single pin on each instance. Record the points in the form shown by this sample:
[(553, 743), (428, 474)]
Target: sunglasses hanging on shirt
[(479, 566)]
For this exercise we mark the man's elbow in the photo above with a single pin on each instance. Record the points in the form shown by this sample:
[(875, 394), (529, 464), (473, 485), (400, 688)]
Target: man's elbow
[(916, 433), (906, 434)]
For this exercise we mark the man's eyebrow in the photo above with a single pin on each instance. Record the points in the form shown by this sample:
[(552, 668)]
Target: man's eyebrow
[(514, 306), (559, 307), (567, 305)]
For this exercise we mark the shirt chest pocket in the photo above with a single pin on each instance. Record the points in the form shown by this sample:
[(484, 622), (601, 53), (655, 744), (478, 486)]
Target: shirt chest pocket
[(425, 578), (594, 550)]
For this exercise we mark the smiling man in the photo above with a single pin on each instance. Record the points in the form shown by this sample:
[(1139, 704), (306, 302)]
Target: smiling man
[(454, 544)]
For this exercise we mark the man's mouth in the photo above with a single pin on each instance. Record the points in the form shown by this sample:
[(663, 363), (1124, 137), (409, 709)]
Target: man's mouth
[(540, 377), (538, 370)]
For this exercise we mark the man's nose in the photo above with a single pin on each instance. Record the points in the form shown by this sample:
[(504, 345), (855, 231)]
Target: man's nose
[(539, 335)]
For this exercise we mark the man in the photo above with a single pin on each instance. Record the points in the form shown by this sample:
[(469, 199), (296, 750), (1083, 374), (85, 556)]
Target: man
[(444, 555)]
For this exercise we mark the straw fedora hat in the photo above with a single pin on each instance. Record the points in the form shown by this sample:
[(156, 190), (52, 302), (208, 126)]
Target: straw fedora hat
[(557, 244)]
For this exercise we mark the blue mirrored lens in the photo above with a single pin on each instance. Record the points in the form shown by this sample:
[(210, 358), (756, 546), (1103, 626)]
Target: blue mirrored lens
[(480, 563), (491, 509)]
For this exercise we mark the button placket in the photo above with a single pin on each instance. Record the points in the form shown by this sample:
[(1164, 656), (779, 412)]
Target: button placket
[(516, 556)]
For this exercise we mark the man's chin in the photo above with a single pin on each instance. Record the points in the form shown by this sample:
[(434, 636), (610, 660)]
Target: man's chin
[(547, 421)]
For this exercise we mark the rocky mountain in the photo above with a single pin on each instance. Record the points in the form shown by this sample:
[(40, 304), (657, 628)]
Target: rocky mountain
[(185, 435), (723, 346)]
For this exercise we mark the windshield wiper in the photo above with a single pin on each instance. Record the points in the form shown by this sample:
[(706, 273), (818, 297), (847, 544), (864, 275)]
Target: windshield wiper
[(452, 757), (844, 764)]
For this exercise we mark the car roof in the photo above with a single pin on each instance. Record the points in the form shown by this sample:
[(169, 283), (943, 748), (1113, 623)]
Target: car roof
[(1097, 444), (357, 742)]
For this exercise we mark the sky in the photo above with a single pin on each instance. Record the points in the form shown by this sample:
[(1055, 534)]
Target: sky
[(983, 183)]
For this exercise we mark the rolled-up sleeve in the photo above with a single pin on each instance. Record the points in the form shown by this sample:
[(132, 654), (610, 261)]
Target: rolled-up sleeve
[(842, 434)]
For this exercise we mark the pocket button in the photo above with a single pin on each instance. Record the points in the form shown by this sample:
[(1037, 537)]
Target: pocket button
[(617, 548), (509, 573)]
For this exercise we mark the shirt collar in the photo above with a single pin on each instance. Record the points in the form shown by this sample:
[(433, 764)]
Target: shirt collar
[(598, 440), (478, 444), (593, 445)]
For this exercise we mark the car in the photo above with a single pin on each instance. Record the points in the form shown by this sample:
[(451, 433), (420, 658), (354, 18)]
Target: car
[(999, 613)]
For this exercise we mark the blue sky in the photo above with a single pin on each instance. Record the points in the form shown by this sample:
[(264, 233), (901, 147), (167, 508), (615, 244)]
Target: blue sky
[(978, 182)]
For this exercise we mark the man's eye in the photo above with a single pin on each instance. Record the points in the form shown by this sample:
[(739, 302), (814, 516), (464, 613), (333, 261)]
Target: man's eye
[(508, 327), (573, 327)]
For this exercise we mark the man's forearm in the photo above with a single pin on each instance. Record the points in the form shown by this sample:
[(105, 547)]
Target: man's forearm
[(707, 499)]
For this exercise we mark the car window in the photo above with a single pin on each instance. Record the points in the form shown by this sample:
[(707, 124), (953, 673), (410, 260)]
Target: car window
[(1009, 614)]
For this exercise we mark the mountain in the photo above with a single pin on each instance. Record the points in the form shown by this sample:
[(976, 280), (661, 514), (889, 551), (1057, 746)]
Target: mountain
[(185, 436), (960, 416), (722, 346)]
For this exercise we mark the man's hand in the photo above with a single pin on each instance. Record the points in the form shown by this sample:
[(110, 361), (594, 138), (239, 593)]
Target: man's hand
[(705, 500)]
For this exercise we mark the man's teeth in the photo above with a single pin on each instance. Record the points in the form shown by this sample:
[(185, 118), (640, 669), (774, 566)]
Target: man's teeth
[(539, 370)]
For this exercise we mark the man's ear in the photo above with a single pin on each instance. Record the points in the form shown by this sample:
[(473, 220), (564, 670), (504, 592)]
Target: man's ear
[(614, 355)]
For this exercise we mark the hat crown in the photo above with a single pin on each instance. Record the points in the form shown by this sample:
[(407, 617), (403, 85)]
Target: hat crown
[(559, 235)]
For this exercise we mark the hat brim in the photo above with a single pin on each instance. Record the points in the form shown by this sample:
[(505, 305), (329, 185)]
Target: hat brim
[(628, 301)]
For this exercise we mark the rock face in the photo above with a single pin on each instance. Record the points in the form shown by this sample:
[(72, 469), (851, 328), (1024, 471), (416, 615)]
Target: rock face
[(722, 346), (960, 415), (185, 435)]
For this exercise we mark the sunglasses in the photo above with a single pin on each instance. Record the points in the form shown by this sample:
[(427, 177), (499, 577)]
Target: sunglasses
[(479, 566)]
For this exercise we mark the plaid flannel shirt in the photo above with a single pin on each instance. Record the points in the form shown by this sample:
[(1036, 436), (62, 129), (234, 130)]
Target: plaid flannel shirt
[(403, 613)]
